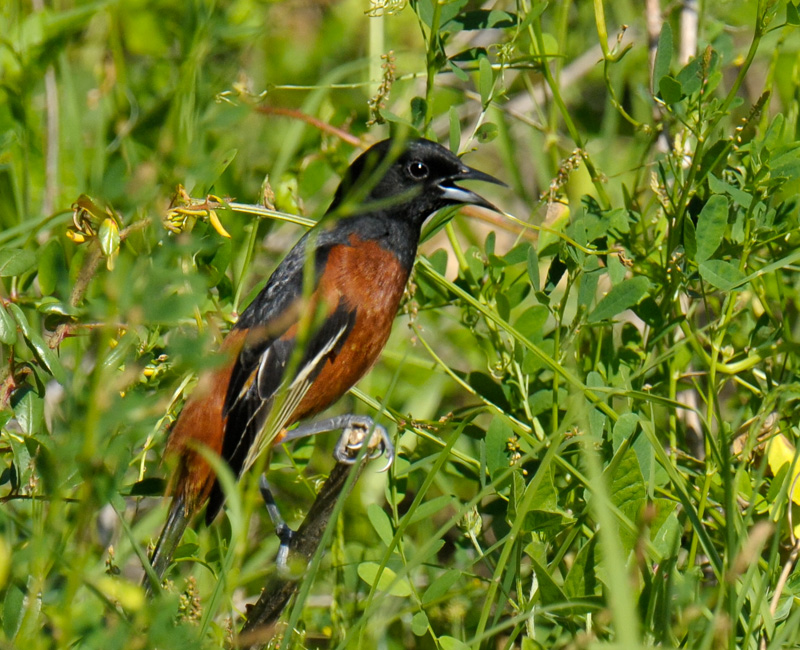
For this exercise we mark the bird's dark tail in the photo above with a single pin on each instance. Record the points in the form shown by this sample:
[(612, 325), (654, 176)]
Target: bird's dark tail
[(168, 541)]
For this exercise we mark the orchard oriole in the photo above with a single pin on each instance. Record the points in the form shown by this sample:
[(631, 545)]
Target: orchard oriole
[(318, 325)]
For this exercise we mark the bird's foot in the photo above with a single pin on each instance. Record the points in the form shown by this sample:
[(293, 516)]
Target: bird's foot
[(355, 432)]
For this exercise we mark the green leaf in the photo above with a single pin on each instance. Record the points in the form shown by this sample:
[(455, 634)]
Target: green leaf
[(774, 135), (475, 266), (497, 437), (486, 77), (550, 592), (380, 522), (148, 487), (714, 157), (740, 197), (663, 53), (488, 247), (503, 306), (419, 108), (624, 428), (723, 275), (451, 643), (12, 611), (46, 356), (689, 239), (667, 535), (429, 552), (626, 490), (8, 326), (29, 411), (518, 254), (43, 26), (531, 322), (533, 268), (481, 19), (187, 551), (670, 90), (535, 11), (691, 76), (432, 507), (581, 581), (786, 163), (792, 14), (544, 514), (621, 297), (368, 572), (486, 132), (462, 76), (15, 261), (220, 166), (616, 269), (419, 624), (449, 10), (711, 225), (587, 289), (109, 239), (455, 130), (396, 119), (51, 266), (441, 586)]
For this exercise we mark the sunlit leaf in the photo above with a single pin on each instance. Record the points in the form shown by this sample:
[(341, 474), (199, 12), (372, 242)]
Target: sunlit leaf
[(380, 522), (51, 266), (14, 261), (419, 624), (670, 89), (35, 341), (486, 80), (497, 437), (663, 53), (486, 132), (711, 225), (451, 643), (621, 297), (792, 14), (481, 19), (8, 326), (781, 452), (109, 238), (368, 572), (721, 274), (455, 130), (441, 586)]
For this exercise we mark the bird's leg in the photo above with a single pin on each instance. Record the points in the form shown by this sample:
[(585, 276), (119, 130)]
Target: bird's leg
[(282, 529), (356, 429)]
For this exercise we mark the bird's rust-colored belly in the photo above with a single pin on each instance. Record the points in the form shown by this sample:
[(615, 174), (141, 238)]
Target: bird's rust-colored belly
[(372, 281)]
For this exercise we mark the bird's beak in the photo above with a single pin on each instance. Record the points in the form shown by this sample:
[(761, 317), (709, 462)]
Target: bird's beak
[(457, 194)]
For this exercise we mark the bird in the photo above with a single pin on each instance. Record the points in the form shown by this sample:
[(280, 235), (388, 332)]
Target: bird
[(315, 329)]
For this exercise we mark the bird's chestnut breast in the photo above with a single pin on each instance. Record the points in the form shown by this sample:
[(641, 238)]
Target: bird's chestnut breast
[(371, 280)]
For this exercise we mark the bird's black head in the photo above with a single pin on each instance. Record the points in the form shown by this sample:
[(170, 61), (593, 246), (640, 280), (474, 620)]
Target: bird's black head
[(407, 181)]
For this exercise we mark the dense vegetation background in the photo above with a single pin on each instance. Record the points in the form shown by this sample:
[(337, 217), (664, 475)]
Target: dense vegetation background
[(595, 404)]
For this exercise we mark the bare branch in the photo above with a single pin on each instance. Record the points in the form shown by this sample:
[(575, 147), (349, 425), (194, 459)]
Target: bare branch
[(263, 616)]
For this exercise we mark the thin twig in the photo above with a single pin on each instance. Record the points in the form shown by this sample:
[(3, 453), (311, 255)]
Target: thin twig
[(263, 616), (90, 266), (313, 121)]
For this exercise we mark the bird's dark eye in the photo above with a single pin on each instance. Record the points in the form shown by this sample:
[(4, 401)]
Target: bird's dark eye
[(417, 170)]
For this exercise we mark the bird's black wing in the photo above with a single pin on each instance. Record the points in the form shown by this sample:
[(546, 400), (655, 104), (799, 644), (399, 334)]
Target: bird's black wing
[(271, 374)]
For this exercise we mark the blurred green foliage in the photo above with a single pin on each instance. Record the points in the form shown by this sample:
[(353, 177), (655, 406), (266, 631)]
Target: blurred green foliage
[(596, 405)]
